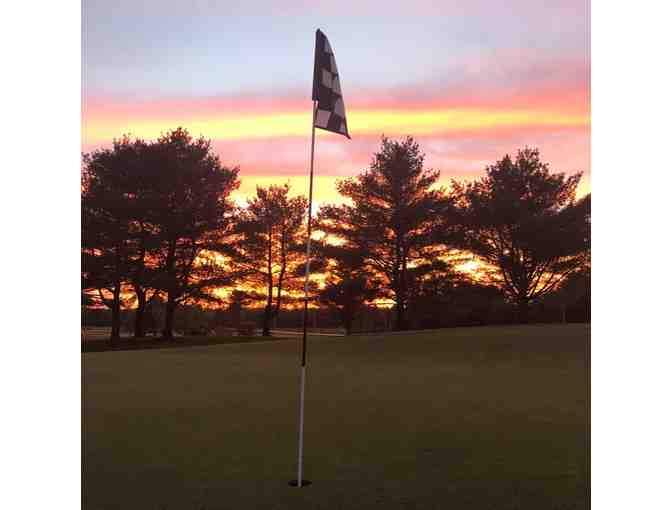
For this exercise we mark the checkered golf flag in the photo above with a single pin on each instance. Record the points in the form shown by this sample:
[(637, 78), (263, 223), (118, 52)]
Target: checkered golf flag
[(327, 89)]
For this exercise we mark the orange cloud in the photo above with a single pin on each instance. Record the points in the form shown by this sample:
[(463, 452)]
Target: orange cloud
[(282, 124)]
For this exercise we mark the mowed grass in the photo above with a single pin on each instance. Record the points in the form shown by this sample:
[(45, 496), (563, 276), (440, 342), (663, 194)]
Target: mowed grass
[(473, 418)]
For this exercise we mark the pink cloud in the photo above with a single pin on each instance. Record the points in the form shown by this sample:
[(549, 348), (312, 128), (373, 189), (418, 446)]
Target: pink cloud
[(502, 78), (456, 156)]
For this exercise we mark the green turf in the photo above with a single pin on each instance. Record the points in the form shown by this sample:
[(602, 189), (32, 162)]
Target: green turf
[(474, 418)]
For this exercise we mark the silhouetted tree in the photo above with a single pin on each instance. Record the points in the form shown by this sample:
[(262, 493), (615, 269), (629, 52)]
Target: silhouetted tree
[(524, 222), (107, 247), (269, 247), (347, 286), (144, 271), (193, 218), (392, 218), (143, 206), (119, 182)]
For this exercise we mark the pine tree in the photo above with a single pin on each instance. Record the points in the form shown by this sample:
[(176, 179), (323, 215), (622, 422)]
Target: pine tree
[(525, 223), (393, 218), (269, 249)]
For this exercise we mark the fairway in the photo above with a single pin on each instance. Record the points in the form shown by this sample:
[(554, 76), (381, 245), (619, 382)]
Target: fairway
[(469, 418)]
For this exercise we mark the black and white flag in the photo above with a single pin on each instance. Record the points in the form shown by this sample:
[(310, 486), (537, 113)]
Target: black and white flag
[(330, 113)]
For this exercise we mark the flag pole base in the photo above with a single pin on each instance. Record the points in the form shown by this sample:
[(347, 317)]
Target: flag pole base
[(295, 483)]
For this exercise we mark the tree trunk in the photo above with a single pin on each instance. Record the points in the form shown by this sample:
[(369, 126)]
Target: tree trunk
[(400, 324), (523, 311), (347, 323), (170, 299), (268, 311), (115, 333), (281, 277), (235, 314), (266, 329), (140, 313), (170, 318)]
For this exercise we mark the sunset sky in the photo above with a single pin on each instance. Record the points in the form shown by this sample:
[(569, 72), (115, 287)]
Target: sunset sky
[(470, 80)]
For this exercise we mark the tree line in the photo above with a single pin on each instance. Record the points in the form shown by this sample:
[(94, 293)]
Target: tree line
[(159, 226)]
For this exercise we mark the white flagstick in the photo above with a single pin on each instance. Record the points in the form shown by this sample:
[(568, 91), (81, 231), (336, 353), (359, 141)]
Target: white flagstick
[(302, 384)]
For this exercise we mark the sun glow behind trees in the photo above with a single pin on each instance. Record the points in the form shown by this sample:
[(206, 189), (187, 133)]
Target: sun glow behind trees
[(160, 222)]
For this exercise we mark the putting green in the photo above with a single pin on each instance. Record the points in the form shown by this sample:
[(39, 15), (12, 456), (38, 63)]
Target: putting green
[(471, 418)]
